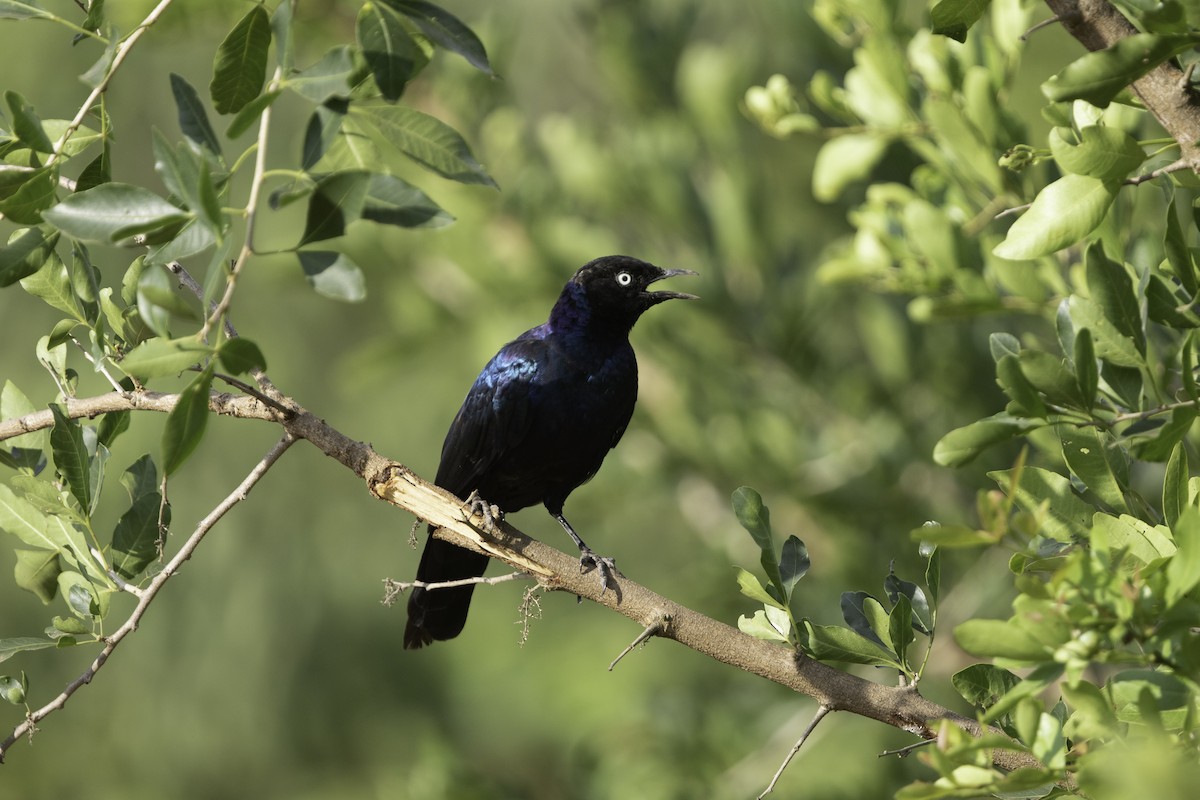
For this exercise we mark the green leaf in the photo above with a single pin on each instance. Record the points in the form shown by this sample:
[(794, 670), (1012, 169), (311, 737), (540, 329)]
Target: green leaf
[(933, 572), (1093, 716), (136, 537), (1103, 152), (428, 141), (961, 445), (1111, 288), (71, 457), (393, 201), (1063, 213), (241, 355), (445, 30), (35, 195), (21, 644), (952, 536), (1176, 249), (1110, 344), (112, 425), (158, 357), (845, 159), (322, 131), (1069, 518), (336, 202), (52, 283), (22, 9), (14, 405), (1052, 376), (82, 597), (832, 643), (982, 685), (1086, 374), (281, 29), (1159, 448), (900, 627), (793, 563), (760, 627), (14, 689), (954, 18), (1100, 76), (753, 588), (1183, 570), (193, 119), (993, 638), (393, 55), (753, 515), (1098, 462), (186, 422), (37, 571), (113, 211), (1144, 542), (1165, 306), (333, 275), (26, 252), (866, 616), (27, 125), (1027, 403), (1175, 485), (240, 66), (897, 588), (250, 113), (332, 76)]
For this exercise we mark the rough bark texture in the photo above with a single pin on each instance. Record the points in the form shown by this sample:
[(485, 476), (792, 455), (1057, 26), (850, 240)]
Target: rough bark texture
[(1097, 25)]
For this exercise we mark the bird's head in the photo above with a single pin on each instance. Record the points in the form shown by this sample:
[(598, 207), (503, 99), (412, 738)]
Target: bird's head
[(616, 289)]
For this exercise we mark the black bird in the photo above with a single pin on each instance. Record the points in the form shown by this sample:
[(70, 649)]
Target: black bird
[(538, 422)]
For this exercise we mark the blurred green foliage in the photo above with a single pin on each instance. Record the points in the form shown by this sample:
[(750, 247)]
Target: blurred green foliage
[(269, 667)]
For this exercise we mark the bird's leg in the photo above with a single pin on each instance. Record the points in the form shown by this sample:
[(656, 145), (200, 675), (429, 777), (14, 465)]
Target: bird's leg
[(588, 560), (491, 513)]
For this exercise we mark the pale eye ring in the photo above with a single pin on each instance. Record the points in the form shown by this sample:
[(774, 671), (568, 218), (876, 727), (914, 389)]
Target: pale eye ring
[(624, 278)]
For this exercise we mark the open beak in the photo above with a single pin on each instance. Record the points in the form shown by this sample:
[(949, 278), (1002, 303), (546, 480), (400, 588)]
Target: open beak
[(659, 297)]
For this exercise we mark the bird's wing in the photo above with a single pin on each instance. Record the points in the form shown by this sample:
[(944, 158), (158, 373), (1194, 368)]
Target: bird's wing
[(495, 416)]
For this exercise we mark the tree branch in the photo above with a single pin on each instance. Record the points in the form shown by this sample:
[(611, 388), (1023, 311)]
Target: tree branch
[(1097, 24), (146, 595), (900, 707)]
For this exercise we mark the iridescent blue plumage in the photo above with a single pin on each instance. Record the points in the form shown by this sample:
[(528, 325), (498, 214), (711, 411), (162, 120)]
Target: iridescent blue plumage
[(538, 422)]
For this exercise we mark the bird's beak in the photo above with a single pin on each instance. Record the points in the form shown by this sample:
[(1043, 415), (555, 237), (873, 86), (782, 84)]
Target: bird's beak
[(659, 297)]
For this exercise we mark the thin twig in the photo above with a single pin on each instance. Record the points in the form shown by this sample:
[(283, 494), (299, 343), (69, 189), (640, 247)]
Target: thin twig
[(821, 712), (1174, 166), (256, 181), (392, 589), (193, 286), (118, 58), (902, 752), (1037, 26), (150, 592), (657, 625), (1014, 210)]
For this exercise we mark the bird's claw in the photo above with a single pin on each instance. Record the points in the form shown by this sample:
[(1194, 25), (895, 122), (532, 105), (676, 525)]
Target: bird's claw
[(589, 561), (491, 513)]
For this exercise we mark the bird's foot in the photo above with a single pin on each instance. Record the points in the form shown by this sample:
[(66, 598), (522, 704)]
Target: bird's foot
[(589, 561), (491, 514)]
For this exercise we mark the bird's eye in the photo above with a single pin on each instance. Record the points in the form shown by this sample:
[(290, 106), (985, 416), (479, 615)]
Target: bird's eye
[(624, 278)]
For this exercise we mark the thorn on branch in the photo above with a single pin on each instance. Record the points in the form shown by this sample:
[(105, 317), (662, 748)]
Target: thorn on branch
[(657, 625), (822, 711)]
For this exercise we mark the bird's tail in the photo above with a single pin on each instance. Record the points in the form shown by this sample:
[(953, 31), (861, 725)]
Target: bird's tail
[(441, 613)]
